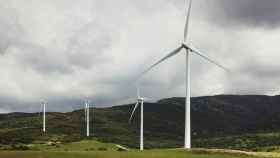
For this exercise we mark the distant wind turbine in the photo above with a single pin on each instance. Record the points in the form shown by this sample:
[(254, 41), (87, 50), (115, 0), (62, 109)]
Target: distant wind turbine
[(139, 100), (43, 105), (189, 49), (87, 117)]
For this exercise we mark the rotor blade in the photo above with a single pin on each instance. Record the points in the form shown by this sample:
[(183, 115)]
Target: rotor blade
[(187, 21), (196, 51), (135, 107), (174, 52)]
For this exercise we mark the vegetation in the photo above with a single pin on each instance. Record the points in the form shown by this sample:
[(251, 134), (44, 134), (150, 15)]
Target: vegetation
[(230, 122), (114, 154)]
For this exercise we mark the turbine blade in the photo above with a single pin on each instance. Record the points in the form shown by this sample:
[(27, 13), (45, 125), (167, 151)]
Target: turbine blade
[(196, 51), (187, 21), (135, 107), (174, 52)]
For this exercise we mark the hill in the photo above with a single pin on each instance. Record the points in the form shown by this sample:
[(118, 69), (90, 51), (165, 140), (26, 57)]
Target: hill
[(249, 122)]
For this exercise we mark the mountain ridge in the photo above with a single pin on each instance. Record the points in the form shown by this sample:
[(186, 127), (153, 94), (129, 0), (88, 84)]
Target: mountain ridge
[(217, 116)]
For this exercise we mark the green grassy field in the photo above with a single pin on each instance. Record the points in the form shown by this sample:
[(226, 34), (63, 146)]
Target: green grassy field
[(113, 154), (96, 149), (85, 145)]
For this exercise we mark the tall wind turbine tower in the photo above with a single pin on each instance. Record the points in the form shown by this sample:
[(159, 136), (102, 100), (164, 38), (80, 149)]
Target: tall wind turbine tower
[(87, 117), (189, 50), (139, 100), (44, 116)]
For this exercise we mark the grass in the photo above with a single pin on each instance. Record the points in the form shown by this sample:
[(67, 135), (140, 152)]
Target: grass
[(114, 154), (96, 149), (85, 145)]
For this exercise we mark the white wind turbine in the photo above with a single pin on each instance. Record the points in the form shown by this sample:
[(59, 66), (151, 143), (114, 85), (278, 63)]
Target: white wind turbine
[(189, 49), (139, 100), (43, 105), (87, 117)]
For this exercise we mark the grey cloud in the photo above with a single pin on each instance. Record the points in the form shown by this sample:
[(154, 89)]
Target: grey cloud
[(253, 13), (13, 39), (40, 59), (10, 29), (88, 45), (103, 45), (254, 77), (262, 71)]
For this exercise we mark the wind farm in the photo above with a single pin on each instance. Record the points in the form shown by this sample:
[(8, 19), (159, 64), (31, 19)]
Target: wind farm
[(162, 130), (215, 93)]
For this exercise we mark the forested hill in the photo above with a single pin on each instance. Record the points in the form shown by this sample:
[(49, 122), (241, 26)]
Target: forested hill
[(213, 117)]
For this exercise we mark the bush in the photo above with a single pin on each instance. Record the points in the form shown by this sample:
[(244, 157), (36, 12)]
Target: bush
[(102, 149), (19, 147), (91, 149)]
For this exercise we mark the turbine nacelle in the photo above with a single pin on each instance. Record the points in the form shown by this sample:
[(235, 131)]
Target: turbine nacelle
[(185, 45), (140, 99)]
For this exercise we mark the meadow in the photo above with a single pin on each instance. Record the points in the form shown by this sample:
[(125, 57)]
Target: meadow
[(96, 149), (112, 154)]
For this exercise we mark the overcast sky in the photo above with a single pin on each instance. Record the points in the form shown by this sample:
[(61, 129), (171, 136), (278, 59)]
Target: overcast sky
[(65, 51)]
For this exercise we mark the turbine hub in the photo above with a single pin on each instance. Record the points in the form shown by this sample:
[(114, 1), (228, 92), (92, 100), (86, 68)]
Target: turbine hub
[(184, 45)]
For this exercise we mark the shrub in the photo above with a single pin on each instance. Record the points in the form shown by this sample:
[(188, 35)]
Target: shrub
[(102, 149), (19, 147)]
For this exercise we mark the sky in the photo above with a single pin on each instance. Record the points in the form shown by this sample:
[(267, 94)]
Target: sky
[(66, 51)]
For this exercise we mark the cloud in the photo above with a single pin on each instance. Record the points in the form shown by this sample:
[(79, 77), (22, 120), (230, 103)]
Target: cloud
[(10, 29), (66, 51), (253, 13)]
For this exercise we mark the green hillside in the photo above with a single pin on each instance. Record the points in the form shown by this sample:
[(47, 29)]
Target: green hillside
[(226, 121)]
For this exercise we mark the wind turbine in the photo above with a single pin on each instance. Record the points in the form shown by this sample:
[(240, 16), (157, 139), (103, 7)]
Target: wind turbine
[(139, 100), (87, 117), (189, 49), (43, 104)]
